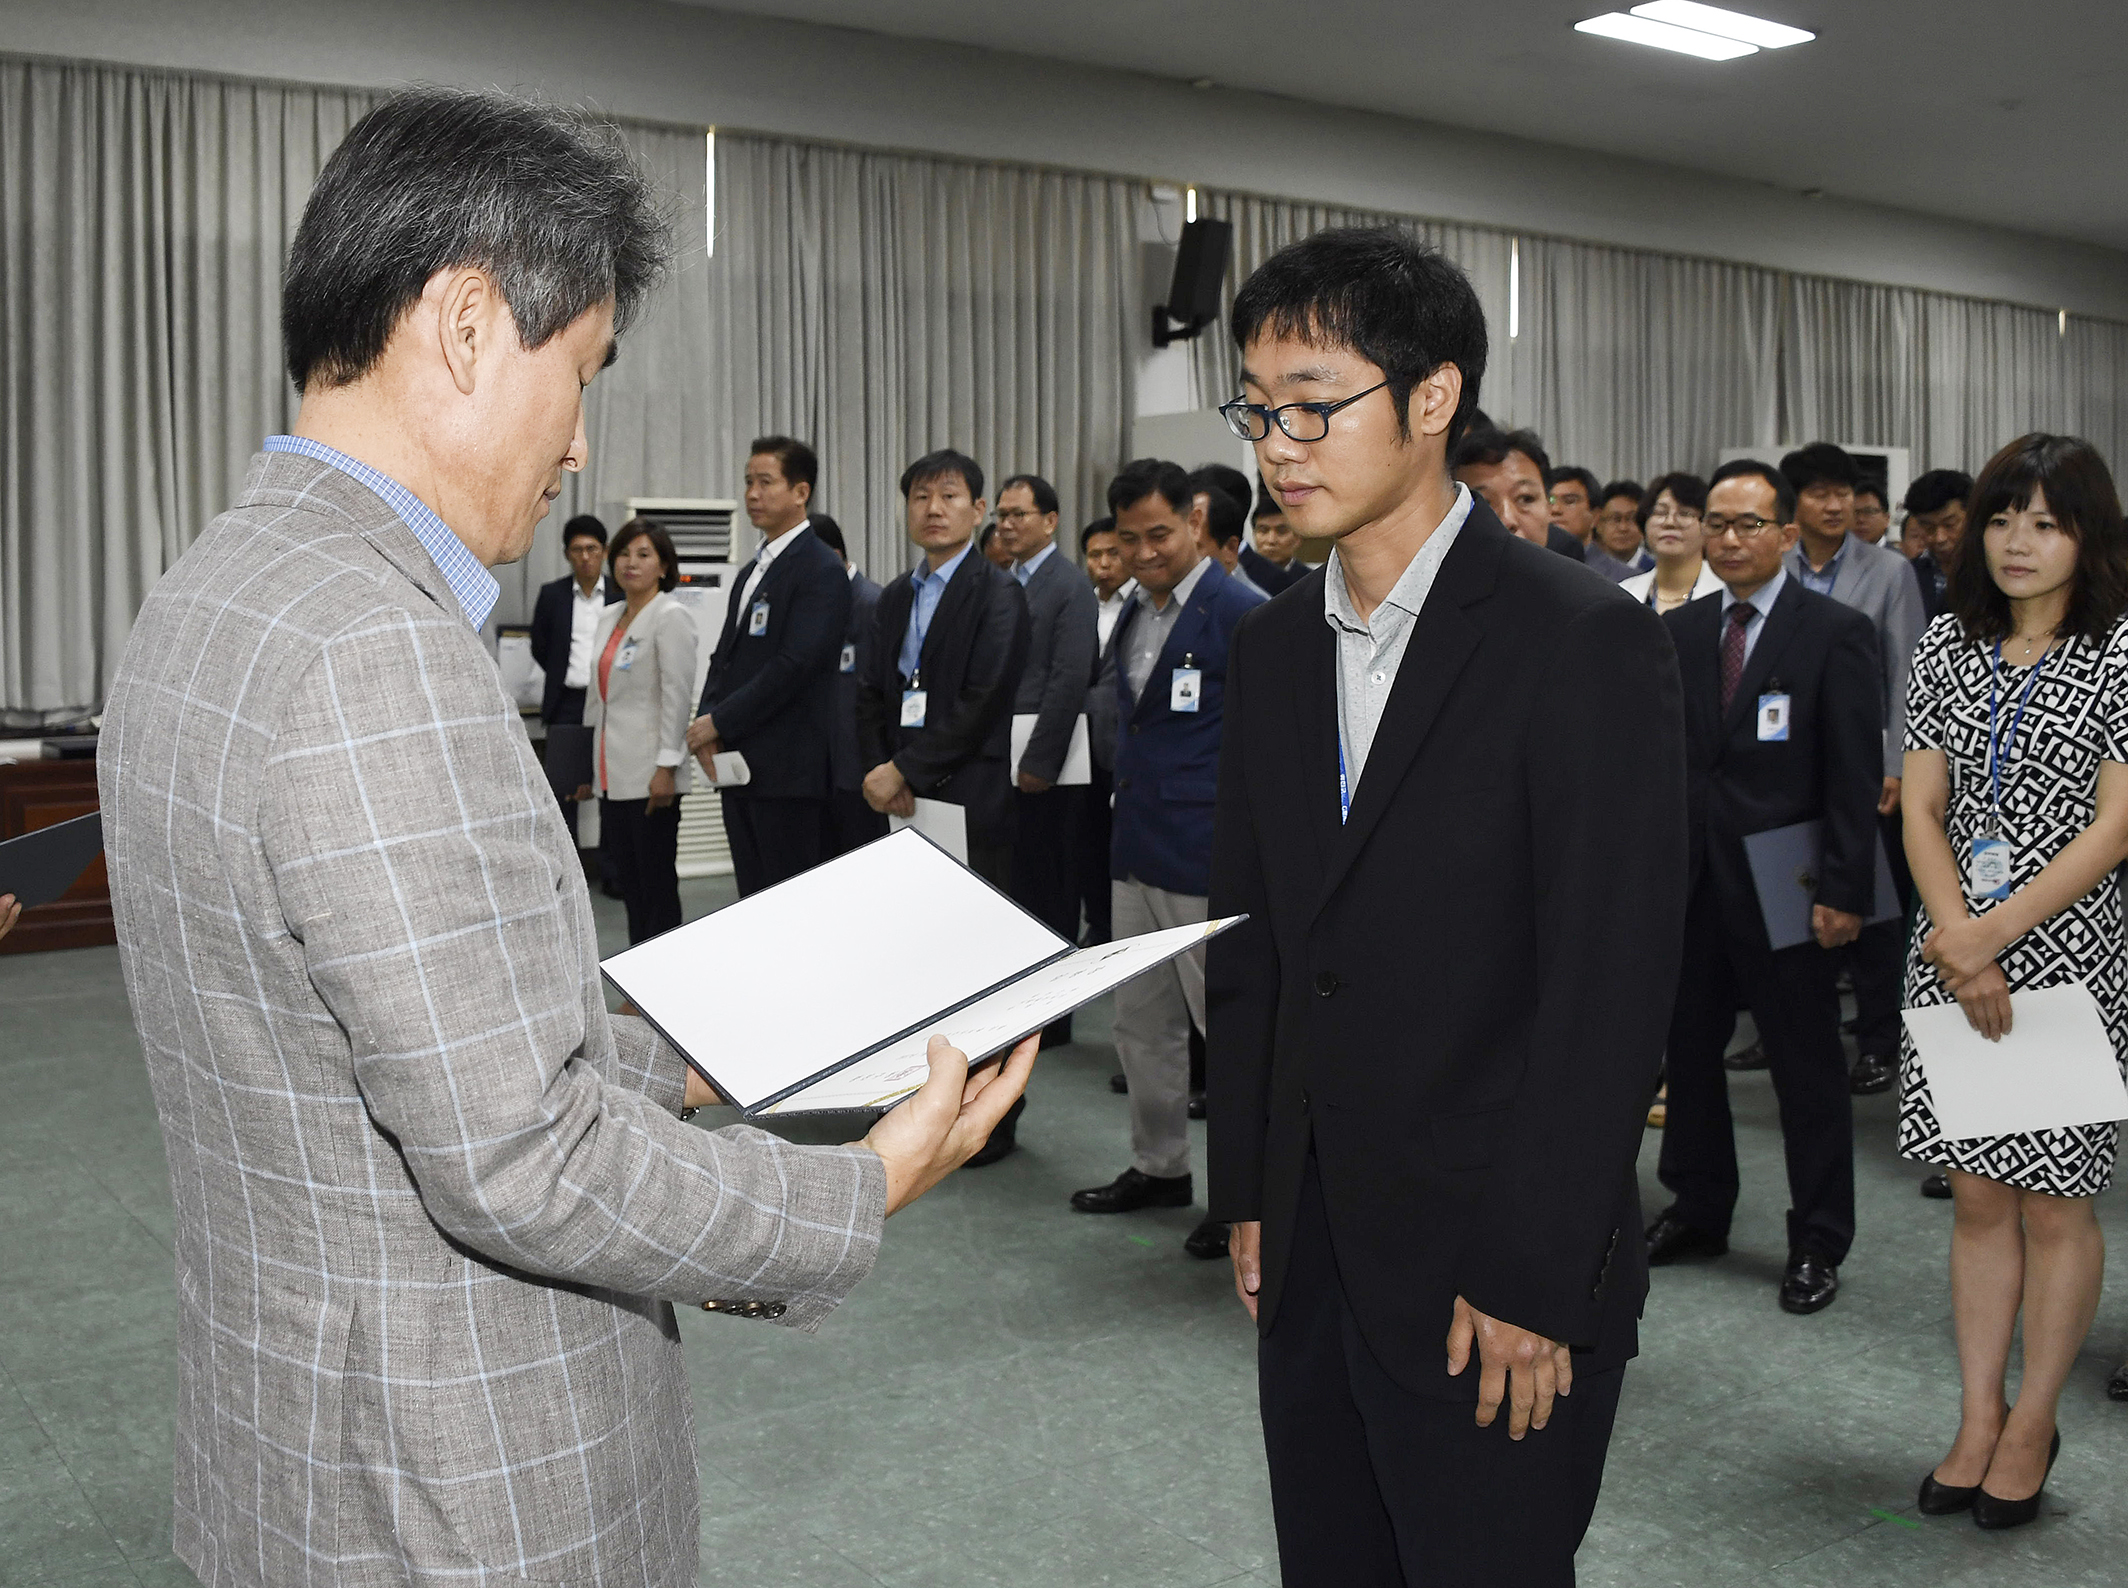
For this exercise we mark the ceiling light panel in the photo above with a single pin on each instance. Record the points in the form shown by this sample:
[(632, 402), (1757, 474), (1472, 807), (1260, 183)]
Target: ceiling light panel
[(1723, 23), (1663, 36)]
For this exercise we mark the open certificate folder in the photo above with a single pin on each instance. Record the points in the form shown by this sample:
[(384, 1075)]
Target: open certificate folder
[(821, 994)]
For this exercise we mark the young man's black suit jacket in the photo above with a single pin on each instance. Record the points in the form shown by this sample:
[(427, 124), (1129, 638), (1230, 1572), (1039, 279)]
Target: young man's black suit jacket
[(773, 694), (971, 662), (1460, 997), (1823, 657), (552, 629)]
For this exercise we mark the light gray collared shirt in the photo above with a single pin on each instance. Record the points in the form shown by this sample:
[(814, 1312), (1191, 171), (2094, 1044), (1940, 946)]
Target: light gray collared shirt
[(1151, 627), (1369, 653)]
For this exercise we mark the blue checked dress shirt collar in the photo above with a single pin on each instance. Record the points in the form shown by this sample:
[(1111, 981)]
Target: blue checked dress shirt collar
[(930, 590), (1821, 579), (473, 586), (1024, 571)]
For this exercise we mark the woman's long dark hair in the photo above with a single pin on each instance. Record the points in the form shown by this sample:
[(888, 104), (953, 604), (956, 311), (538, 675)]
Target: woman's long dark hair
[(2080, 495)]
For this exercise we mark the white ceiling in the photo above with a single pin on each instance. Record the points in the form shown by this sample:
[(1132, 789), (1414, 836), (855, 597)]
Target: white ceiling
[(2011, 114)]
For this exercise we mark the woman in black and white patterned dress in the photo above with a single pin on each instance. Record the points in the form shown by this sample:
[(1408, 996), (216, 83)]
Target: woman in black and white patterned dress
[(2036, 646)]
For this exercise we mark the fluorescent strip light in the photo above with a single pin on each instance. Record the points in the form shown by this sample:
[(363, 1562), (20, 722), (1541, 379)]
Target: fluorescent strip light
[(1189, 204), (709, 197), (1661, 35), (1514, 288), (1723, 23)]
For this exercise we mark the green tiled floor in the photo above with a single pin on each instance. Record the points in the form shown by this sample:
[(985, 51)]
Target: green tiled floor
[(1021, 1395)]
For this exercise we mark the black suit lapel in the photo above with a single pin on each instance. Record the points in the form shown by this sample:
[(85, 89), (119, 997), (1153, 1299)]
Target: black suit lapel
[(1313, 685), (1181, 641), (1697, 630), (1442, 640), (1778, 627), (730, 636), (963, 590)]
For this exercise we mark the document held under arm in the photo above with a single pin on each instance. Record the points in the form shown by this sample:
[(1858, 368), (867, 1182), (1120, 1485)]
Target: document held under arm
[(748, 998), (1078, 765)]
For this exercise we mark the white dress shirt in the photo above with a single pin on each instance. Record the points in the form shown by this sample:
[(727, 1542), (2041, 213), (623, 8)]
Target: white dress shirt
[(584, 613), (1111, 608), (769, 552)]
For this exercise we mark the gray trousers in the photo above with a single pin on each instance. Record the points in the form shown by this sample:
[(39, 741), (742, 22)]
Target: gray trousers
[(1152, 1028)]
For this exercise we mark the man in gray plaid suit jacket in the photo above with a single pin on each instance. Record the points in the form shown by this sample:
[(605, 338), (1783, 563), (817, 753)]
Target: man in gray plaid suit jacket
[(434, 1204)]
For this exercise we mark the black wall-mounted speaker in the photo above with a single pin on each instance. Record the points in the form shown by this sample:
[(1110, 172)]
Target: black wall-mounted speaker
[(1200, 272)]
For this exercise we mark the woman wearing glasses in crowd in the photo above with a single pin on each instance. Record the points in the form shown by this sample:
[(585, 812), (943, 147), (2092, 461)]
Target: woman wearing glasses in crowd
[(641, 699), (1670, 521), (2016, 809)]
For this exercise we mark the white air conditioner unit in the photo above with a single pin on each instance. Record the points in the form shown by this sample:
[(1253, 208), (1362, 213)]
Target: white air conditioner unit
[(704, 532)]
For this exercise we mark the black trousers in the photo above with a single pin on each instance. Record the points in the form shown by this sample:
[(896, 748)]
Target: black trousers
[(1373, 1486), (1877, 958), (1096, 816), (645, 846), (568, 713), (1045, 857), (847, 823), (1792, 998), (771, 839)]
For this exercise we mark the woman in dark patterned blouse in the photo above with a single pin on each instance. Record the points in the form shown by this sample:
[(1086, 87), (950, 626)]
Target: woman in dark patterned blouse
[(2017, 735)]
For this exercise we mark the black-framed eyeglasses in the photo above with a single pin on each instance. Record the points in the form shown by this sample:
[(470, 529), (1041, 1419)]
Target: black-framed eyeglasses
[(1252, 421), (1745, 528)]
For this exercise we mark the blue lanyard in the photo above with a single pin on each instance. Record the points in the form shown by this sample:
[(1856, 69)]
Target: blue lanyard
[(1996, 756), (1344, 789)]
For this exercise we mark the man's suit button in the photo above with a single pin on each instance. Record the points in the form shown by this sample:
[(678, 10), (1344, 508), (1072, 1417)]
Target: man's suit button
[(1122, 782), (1326, 983), (774, 1309), (1304, 1100), (1135, 727), (712, 1306)]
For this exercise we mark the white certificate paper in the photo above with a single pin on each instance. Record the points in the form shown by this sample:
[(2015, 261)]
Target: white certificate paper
[(1078, 765), (945, 824), (2056, 1067)]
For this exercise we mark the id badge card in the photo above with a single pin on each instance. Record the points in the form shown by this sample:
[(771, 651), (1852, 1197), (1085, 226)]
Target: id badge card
[(1185, 689), (757, 619), (912, 707), (1989, 871), (626, 658), (1773, 719), (849, 658)]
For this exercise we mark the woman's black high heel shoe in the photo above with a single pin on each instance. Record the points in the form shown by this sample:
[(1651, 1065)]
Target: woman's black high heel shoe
[(1944, 1499), (1995, 1515)]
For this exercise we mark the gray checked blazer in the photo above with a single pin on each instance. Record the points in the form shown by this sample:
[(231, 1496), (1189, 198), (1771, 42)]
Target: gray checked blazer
[(433, 1204), (1879, 583)]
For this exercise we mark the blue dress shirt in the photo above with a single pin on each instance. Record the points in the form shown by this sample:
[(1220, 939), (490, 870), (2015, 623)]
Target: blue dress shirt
[(472, 584), (1762, 600), (1820, 579), (930, 586)]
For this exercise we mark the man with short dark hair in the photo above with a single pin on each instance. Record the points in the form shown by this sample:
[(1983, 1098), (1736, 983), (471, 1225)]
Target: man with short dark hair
[(1434, 1039), (771, 693), (1935, 518), (1783, 725), (1507, 468), (1619, 552), (847, 821), (1062, 646), (564, 622), (1572, 495), (934, 715), (1829, 560), (433, 1204), (1169, 661), (1223, 491), (1873, 518), (1274, 561)]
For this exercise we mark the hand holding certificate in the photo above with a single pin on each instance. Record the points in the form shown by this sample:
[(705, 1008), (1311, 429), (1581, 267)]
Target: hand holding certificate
[(2054, 1066)]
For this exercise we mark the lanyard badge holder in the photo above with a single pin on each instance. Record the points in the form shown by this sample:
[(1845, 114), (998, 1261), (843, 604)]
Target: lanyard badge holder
[(1185, 690), (913, 702), (1988, 873)]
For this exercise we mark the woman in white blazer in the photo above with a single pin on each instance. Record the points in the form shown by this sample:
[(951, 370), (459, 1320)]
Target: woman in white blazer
[(640, 700), (1670, 522)]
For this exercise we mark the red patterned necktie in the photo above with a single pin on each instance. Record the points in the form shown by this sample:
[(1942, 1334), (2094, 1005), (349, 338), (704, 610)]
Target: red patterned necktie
[(1740, 617)]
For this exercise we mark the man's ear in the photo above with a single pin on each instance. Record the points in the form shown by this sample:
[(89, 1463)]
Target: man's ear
[(1432, 405), (805, 486), (469, 316)]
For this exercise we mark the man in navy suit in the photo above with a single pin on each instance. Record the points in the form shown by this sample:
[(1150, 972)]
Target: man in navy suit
[(564, 621), (771, 693), (1169, 660), (847, 821)]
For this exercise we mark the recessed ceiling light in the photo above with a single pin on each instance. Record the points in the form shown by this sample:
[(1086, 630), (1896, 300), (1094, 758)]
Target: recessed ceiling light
[(1686, 41), (1723, 23)]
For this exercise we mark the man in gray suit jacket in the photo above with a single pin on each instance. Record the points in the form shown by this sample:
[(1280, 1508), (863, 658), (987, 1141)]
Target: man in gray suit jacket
[(433, 1205), (1879, 583)]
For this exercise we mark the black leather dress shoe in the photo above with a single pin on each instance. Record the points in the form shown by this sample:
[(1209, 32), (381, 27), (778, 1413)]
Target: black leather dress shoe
[(1873, 1073), (1119, 1082), (2117, 1386), (1130, 1191), (1002, 1140), (1937, 1188), (1208, 1240), (1196, 1109), (1672, 1240), (1751, 1058), (1995, 1515), (1809, 1285)]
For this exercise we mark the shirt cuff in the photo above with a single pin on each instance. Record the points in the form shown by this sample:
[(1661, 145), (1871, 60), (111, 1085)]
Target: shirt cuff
[(672, 758)]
